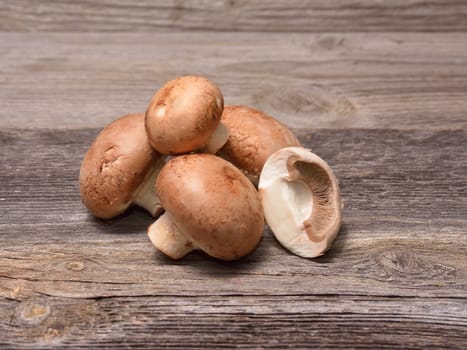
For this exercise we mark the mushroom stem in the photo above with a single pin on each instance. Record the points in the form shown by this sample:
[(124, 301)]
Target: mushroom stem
[(300, 200), (218, 139), (168, 238), (146, 196)]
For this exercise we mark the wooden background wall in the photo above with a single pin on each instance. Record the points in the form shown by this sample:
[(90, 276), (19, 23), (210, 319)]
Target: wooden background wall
[(234, 15)]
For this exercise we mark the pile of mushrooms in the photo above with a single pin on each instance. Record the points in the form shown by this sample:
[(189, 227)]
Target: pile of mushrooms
[(211, 175)]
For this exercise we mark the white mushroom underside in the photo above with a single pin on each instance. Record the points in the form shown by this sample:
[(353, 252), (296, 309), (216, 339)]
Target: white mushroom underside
[(302, 212), (287, 205)]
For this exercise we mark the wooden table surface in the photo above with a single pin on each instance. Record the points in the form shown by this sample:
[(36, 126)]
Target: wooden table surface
[(378, 89)]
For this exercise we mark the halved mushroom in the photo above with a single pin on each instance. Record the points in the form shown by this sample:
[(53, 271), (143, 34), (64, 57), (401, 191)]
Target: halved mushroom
[(120, 168), (184, 116), (210, 205), (301, 200), (254, 136)]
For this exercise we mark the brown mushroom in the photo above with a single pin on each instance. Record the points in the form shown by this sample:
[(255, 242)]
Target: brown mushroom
[(120, 168), (254, 136), (301, 200), (184, 116), (210, 205)]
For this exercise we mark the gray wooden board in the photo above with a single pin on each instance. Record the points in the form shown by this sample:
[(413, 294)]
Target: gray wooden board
[(232, 15), (356, 80), (396, 275), (204, 321)]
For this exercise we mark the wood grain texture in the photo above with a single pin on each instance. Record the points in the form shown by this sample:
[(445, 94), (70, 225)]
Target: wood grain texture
[(388, 111), (201, 322), (398, 81), (234, 15), (395, 277)]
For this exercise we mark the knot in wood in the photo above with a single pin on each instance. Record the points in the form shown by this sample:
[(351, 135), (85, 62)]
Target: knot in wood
[(53, 332), (32, 312), (402, 262), (319, 101), (75, 266)]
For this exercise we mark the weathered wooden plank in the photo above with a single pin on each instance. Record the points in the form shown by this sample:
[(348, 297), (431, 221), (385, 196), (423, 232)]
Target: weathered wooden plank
[(234, 15), (404, 225), (377, 267), (379, 80), (203, 321), (389, 174)]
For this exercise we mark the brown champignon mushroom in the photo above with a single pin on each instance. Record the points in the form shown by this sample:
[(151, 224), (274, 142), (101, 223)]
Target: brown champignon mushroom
[(210, 205), (254, 136), (184, 116), (301, 201), (120, 168)]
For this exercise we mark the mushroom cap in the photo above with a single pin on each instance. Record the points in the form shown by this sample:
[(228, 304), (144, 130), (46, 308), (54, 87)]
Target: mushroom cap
[(183, 114), (254, 136), (301, 200), (212, 203), (115, 165)]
